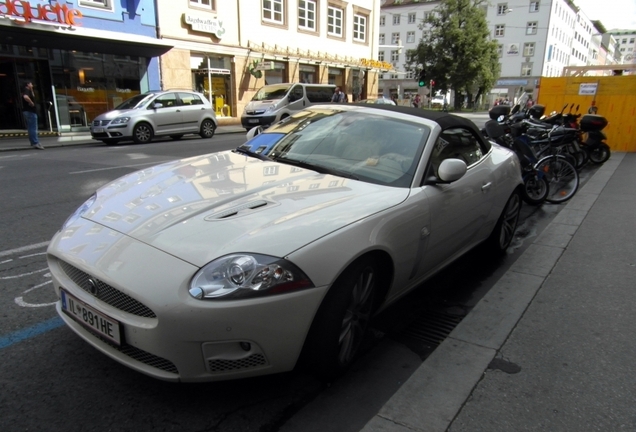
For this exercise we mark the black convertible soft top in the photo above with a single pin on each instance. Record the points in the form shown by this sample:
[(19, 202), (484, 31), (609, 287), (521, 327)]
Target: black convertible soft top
[(444, 119)]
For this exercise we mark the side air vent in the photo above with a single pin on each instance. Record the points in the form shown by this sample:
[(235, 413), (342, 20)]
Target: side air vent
[(224, 365), (235, 211)]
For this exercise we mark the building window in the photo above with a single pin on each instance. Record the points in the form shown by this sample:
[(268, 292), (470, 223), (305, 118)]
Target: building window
[(395, 56), (526, 69), (412, 18), (207, 4), (395, 38), (631, 40), (307, 15), (502, 8), (334, 21), (396, 19), (500, 50), (428, 15), (534, 6), (381, 42), (528, 49), (410, 37), (359, 28), (531, 28), (273, 11), (382, 21), (381, 56), (500, 30), (102, 4)]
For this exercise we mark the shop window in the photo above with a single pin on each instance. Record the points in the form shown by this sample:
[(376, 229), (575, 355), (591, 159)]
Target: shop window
[(101, 4), (205, 4), (307, 15), (335, 18), (274, 11)]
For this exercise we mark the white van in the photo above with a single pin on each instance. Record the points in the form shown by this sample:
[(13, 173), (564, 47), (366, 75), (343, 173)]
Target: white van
[(274, 102)]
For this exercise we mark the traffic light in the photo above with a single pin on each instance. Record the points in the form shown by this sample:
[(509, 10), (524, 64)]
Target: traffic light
[(422, 79)]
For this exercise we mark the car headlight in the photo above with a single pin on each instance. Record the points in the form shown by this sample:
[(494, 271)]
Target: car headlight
[(270, 108), (120, 120), (247, 275), (80, 211)]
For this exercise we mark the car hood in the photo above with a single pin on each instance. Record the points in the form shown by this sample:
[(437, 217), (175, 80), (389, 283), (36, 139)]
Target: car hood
[(261, 105), (110, 115), (201, 208)]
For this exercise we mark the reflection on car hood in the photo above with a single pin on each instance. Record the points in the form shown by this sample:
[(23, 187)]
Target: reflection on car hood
[(204, 207)]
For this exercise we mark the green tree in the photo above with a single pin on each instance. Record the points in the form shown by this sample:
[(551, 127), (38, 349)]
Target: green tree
[(456, 50)]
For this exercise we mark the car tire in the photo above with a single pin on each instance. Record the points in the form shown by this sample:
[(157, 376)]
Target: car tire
[(176, 137), (504, 232), (207, 129), (110, 141), (142, 133), (340, 325)]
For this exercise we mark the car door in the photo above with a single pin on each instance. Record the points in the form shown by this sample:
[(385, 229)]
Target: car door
[(296, 97), (192, 110), (459, 211), (166, 116)]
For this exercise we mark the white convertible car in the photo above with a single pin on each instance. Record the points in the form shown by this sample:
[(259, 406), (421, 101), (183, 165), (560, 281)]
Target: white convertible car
[(243, 263)]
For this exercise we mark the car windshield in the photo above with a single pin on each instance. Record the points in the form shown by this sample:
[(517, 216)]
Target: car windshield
[(368, 146), (134, 102), (271, 92)]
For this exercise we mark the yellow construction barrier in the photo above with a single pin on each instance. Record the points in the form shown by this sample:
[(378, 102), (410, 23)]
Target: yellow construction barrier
[(613, 96)]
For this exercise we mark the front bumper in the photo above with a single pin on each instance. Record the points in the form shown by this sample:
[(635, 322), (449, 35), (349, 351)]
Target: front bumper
[(186, 340), (249, 122)]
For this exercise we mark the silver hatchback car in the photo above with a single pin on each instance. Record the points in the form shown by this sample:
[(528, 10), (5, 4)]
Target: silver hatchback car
[(172, 113)]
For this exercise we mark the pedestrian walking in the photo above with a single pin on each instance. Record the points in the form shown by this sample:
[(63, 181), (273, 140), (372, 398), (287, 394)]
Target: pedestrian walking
[(338, 96), (416, 101), (30, 111)]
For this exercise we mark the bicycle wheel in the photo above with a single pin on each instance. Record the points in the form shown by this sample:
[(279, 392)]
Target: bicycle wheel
[(562, 177)]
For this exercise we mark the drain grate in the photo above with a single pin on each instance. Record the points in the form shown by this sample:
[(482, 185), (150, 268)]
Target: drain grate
[(428, 327)]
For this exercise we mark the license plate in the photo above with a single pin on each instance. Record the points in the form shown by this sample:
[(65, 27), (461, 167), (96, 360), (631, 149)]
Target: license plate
[(98, 130), (89, 317), (252, 120)]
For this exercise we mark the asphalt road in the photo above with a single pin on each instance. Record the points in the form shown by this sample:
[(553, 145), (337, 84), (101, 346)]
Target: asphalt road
[(52, 380)]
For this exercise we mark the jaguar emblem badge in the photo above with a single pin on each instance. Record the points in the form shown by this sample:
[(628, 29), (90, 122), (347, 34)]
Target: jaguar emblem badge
[(92, 287)]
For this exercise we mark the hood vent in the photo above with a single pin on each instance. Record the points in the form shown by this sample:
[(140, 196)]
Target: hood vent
[(234, 211)]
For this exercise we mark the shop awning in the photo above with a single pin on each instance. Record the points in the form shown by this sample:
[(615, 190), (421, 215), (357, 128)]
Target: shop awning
[(81, 39)]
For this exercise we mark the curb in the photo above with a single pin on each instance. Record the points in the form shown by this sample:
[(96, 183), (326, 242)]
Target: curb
[(434, 395)]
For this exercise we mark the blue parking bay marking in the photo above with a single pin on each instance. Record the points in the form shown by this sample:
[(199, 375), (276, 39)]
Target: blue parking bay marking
[(29, 332)]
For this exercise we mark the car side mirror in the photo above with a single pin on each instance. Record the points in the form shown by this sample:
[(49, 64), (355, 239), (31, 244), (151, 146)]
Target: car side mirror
[(451, 170), (157, 105), (253, 132)]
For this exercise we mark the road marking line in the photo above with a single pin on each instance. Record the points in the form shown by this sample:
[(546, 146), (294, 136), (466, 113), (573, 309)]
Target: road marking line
[(29, 332), (23, 249), (32, 255), (23, 274), (20, 300), (112, 168)]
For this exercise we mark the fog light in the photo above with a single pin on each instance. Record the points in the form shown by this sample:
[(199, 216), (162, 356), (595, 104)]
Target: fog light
[(246, 346)]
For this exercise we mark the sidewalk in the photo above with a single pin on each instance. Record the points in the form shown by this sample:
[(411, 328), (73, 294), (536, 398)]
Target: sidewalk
[(551, 347), (18, 140)]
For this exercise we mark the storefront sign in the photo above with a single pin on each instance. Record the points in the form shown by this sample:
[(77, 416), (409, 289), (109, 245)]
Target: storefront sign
[(23, 12), (376, 64), (206, 25), (512, 49)]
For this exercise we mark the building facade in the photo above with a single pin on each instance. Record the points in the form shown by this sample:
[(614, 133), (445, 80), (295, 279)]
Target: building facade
[(84, 57), (228, 50), (535, 37)]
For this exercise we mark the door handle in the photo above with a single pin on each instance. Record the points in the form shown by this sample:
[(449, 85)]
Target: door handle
[(485, 187)]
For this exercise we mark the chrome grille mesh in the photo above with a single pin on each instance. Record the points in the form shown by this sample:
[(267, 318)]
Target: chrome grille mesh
[(141, 356), (222, 365), (107, 293), (100, 122)]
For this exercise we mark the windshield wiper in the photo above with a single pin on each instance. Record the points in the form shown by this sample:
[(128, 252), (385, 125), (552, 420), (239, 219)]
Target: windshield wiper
[(318, 168), (245, 151)]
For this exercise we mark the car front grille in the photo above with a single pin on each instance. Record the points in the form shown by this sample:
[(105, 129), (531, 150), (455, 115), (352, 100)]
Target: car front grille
[(224, 365), (100, 122), (106, 293), (255, 112)]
